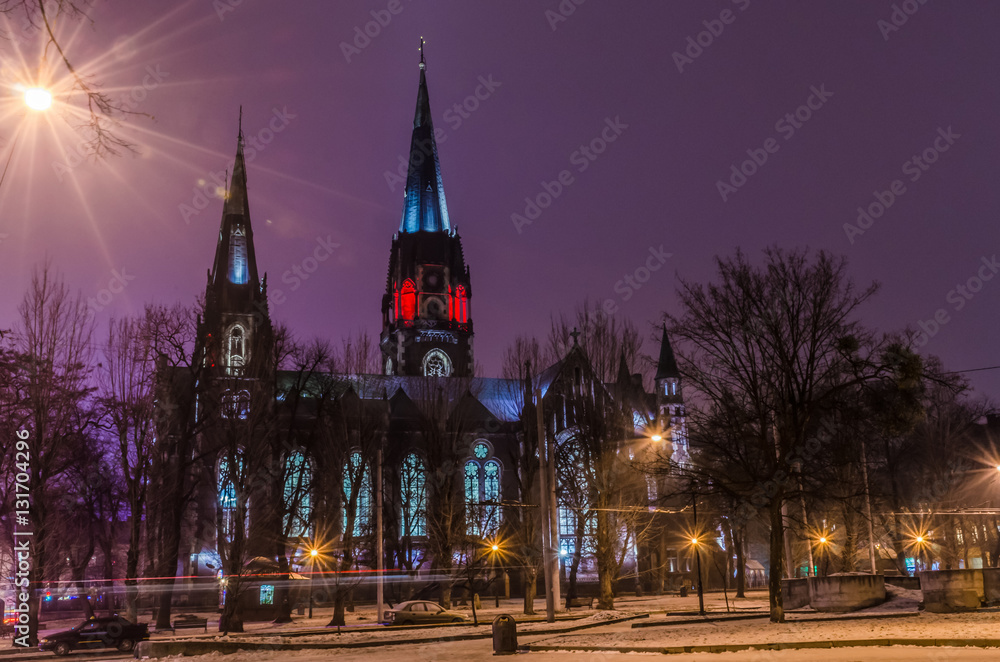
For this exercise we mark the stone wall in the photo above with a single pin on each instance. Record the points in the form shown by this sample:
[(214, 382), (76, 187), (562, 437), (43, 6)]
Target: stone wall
[(843, 593), (952, 590), (794, 593)]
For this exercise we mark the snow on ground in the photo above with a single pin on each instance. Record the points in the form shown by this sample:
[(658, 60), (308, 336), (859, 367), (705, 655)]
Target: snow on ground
[(482, 652), (923, 626)]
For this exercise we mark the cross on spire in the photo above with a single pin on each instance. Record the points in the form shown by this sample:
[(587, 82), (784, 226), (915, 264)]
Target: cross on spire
[(423, 65), (576, 334)]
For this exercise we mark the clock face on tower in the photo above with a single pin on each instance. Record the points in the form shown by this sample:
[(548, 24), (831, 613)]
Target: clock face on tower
[(388, 366)]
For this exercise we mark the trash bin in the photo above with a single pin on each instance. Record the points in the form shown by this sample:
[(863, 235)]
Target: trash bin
[(504, 635), (684, 591)]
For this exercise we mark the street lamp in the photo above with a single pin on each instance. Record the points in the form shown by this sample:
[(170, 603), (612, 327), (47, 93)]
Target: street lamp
[(701, 591), (313, 553)]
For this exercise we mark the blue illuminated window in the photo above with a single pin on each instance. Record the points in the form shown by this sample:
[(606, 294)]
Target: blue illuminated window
[(413, 480), (238, 273), (298, 495), (266, 594), (356, 473)]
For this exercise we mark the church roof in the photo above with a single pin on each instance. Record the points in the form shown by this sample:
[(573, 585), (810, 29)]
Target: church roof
[(424, 209), (666, 367)]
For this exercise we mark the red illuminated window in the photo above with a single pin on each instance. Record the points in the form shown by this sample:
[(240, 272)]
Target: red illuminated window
[(461, 305), (408, 300)]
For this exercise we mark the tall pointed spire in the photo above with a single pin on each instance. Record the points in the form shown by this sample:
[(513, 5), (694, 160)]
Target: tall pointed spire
[(424, 209), (237, 201), (666, 367), (235, 259)]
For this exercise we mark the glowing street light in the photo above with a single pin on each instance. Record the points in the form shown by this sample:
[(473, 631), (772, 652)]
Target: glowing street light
[(495, 548), (38, 98), (822, 540), (314, 552), (920, 539), (658, 437)]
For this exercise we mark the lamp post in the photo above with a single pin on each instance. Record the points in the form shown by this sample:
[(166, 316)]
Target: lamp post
[(494, 549), (313, 553), (697, 555)]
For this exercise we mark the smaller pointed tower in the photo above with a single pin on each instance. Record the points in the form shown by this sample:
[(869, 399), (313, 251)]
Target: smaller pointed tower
[(427, 305), (670, 400), (237, 325)]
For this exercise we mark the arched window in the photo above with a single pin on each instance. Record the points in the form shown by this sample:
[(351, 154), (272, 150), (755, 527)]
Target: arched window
[(461, 305), (491, 498), (238, 274), (228, 478), (408, 300), (298, 495), (358, 477), (237, 347), (437, 364), (236, 405), (472, 477), (413, 496)]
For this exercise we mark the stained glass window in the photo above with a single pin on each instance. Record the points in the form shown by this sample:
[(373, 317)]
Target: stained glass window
[(472, 497), (481, 450), (413, 481), (266, 594), (298, 495), (356, 473), (238, 274)]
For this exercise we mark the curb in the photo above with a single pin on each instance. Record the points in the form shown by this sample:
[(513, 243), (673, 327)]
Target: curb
[(154, 649), (789, 645), (807, 619)]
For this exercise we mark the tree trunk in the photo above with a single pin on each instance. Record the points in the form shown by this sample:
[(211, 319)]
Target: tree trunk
[(446, 594), (741, 562), (777, 552), (339, 607), (530, 590), (605, 561), (284, 611)]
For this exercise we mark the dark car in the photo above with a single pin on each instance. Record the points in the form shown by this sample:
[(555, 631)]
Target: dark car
[(422, 612), (105, 632)]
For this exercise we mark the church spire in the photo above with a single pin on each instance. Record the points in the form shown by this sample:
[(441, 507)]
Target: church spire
[(235, 261), (424, 209), (237, 201), (666, 367)]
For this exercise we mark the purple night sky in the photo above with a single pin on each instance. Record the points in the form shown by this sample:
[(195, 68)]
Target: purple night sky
[(555, 86)]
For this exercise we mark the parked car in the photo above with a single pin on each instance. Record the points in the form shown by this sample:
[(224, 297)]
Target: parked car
[(422, 612), (105, 632)]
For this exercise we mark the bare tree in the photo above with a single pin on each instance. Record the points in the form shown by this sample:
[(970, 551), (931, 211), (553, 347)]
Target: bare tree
[(51, 394), (770, 352), (128, 381), (100, 116)]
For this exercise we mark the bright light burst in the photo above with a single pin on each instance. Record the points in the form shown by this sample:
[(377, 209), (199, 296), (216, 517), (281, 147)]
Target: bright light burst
[(38, 98)]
